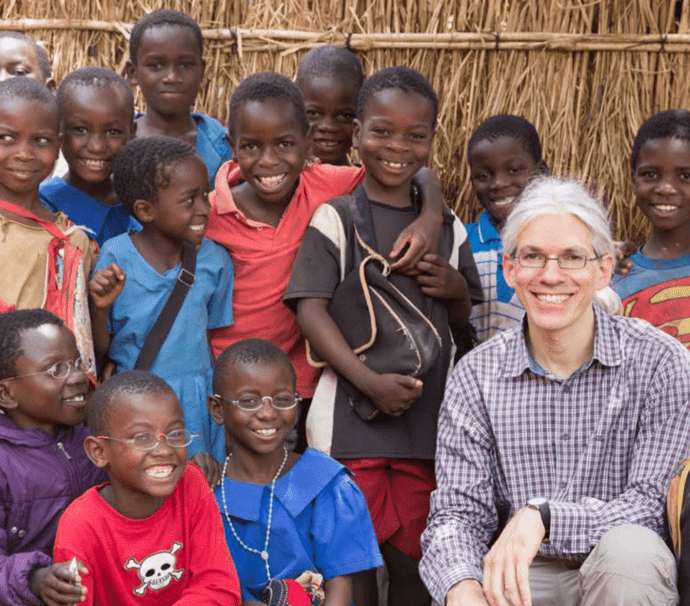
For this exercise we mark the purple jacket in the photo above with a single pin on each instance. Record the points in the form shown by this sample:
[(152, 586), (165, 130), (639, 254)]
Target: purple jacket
[(39, 476)]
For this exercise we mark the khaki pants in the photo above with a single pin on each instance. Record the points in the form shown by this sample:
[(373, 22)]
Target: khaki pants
[(630, 566)]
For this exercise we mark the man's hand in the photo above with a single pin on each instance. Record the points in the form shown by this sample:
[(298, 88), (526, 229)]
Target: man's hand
[(466, 593), (506, 566)]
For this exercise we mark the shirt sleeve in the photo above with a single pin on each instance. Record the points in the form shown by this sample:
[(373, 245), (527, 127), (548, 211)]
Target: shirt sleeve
[(463, 516), (220, 304), (213, 577), (15, 588), (660, 442), (343, 534), (465, 263), (317, 269)]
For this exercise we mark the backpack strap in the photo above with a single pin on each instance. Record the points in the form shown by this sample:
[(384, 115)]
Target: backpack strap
[(159, 331)]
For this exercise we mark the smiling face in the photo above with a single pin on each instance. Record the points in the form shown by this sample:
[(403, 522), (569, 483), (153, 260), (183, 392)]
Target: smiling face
[(18, 58), (140, 480), (557, 301), (661, 183), (270, 148), (29, 146), (181, 209), (331, 106), (500, 170), (39, 400), (169, 69), (394, 141), (96, 123), (262, 432)]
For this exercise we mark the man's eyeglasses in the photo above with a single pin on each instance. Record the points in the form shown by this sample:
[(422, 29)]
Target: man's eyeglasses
[(61, 369), (178, 438), (533, 260), (254, 403)]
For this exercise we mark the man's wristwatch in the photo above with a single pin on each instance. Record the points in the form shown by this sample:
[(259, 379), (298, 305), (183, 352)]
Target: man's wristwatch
[(542, 506)]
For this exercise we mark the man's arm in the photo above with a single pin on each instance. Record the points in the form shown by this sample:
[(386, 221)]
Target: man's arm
[(463, 516)]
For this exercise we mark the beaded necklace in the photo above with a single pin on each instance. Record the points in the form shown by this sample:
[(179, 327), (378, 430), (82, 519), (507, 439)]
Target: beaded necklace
[(264, 552)]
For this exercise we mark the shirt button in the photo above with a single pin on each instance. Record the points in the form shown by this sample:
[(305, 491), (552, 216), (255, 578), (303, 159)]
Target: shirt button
[(566, 388), (14, 530), (22, 533), (564, 484)]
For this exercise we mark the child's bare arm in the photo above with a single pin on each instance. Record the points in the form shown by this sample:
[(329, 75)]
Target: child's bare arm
[(57, 586), (423, 235), (105, 286), (439, 279), (338, 591), (391, 393)]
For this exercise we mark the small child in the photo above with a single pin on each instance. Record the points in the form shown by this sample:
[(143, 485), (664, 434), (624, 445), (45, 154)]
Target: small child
[(43, 467), (304, 512), (262, 205), (20, 56), (96, 120), (45, 258), (657, 285), (166, 60), (393, 454), (504, 152), (330, 78), (152, 534), (163, 183)]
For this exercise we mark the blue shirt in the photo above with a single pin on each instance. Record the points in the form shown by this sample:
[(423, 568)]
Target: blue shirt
[(184, 359), (103, 221), (501, 309), (320, 522), (212, 145)]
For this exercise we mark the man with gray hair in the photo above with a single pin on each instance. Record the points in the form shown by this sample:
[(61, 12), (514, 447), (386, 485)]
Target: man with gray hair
[(557, 439)]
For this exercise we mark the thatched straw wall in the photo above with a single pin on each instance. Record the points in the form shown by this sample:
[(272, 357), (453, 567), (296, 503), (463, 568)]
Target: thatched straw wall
[(585, 72)]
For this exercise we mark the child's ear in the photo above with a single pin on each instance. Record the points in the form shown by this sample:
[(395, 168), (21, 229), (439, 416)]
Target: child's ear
[(7, 401), (51, 84), (543, 168), (356, 133), (133, 130), (95, 450), (129, 73), (143, 211), (216, 409)]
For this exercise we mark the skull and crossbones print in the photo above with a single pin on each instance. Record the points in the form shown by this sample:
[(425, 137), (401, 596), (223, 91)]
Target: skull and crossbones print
[(157, 570)]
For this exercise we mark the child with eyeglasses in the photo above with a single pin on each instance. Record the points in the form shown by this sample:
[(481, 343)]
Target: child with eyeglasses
[(152, 534), (43, 467), (297, 526)]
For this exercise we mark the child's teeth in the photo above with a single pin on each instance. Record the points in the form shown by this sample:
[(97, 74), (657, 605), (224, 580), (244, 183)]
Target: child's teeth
[(265, 432), (74, 400), (198, 228), (504, 202), (271, 181), (395, 164), (159, 471), (666, 208), (95, 163)]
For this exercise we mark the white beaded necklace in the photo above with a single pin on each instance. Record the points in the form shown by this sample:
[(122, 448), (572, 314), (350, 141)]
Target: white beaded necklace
[(264, 552)]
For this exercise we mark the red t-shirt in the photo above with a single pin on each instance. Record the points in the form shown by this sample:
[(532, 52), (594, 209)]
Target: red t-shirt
[(263, 256), (176, 556)]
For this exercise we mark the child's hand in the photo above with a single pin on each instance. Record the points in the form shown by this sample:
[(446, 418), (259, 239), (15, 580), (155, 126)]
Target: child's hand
[(57, 586), (623, 251), (210, 468), (106, 286), (438, 279), (394, 394)]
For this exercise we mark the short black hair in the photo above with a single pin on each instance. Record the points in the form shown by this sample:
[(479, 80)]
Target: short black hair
[(112, 390), (330, 62), (96, 77), (507, 125), (143, 167), (250, 351), (41, 53), (29, 89), (263, 86), (161, 18), (13, 324), (400, 78), (669, 124)]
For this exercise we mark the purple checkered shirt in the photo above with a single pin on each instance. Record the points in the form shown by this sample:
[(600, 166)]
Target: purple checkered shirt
[(600, 445)]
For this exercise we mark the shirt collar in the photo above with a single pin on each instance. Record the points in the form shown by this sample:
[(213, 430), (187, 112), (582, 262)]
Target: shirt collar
[(487, 231), (607, 347)]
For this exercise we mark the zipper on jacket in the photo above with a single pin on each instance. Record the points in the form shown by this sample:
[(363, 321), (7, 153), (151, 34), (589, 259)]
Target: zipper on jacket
[(62, 449)]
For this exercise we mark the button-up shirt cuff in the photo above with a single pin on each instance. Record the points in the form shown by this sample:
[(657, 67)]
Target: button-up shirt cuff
[(441, 571), (569, 533)]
